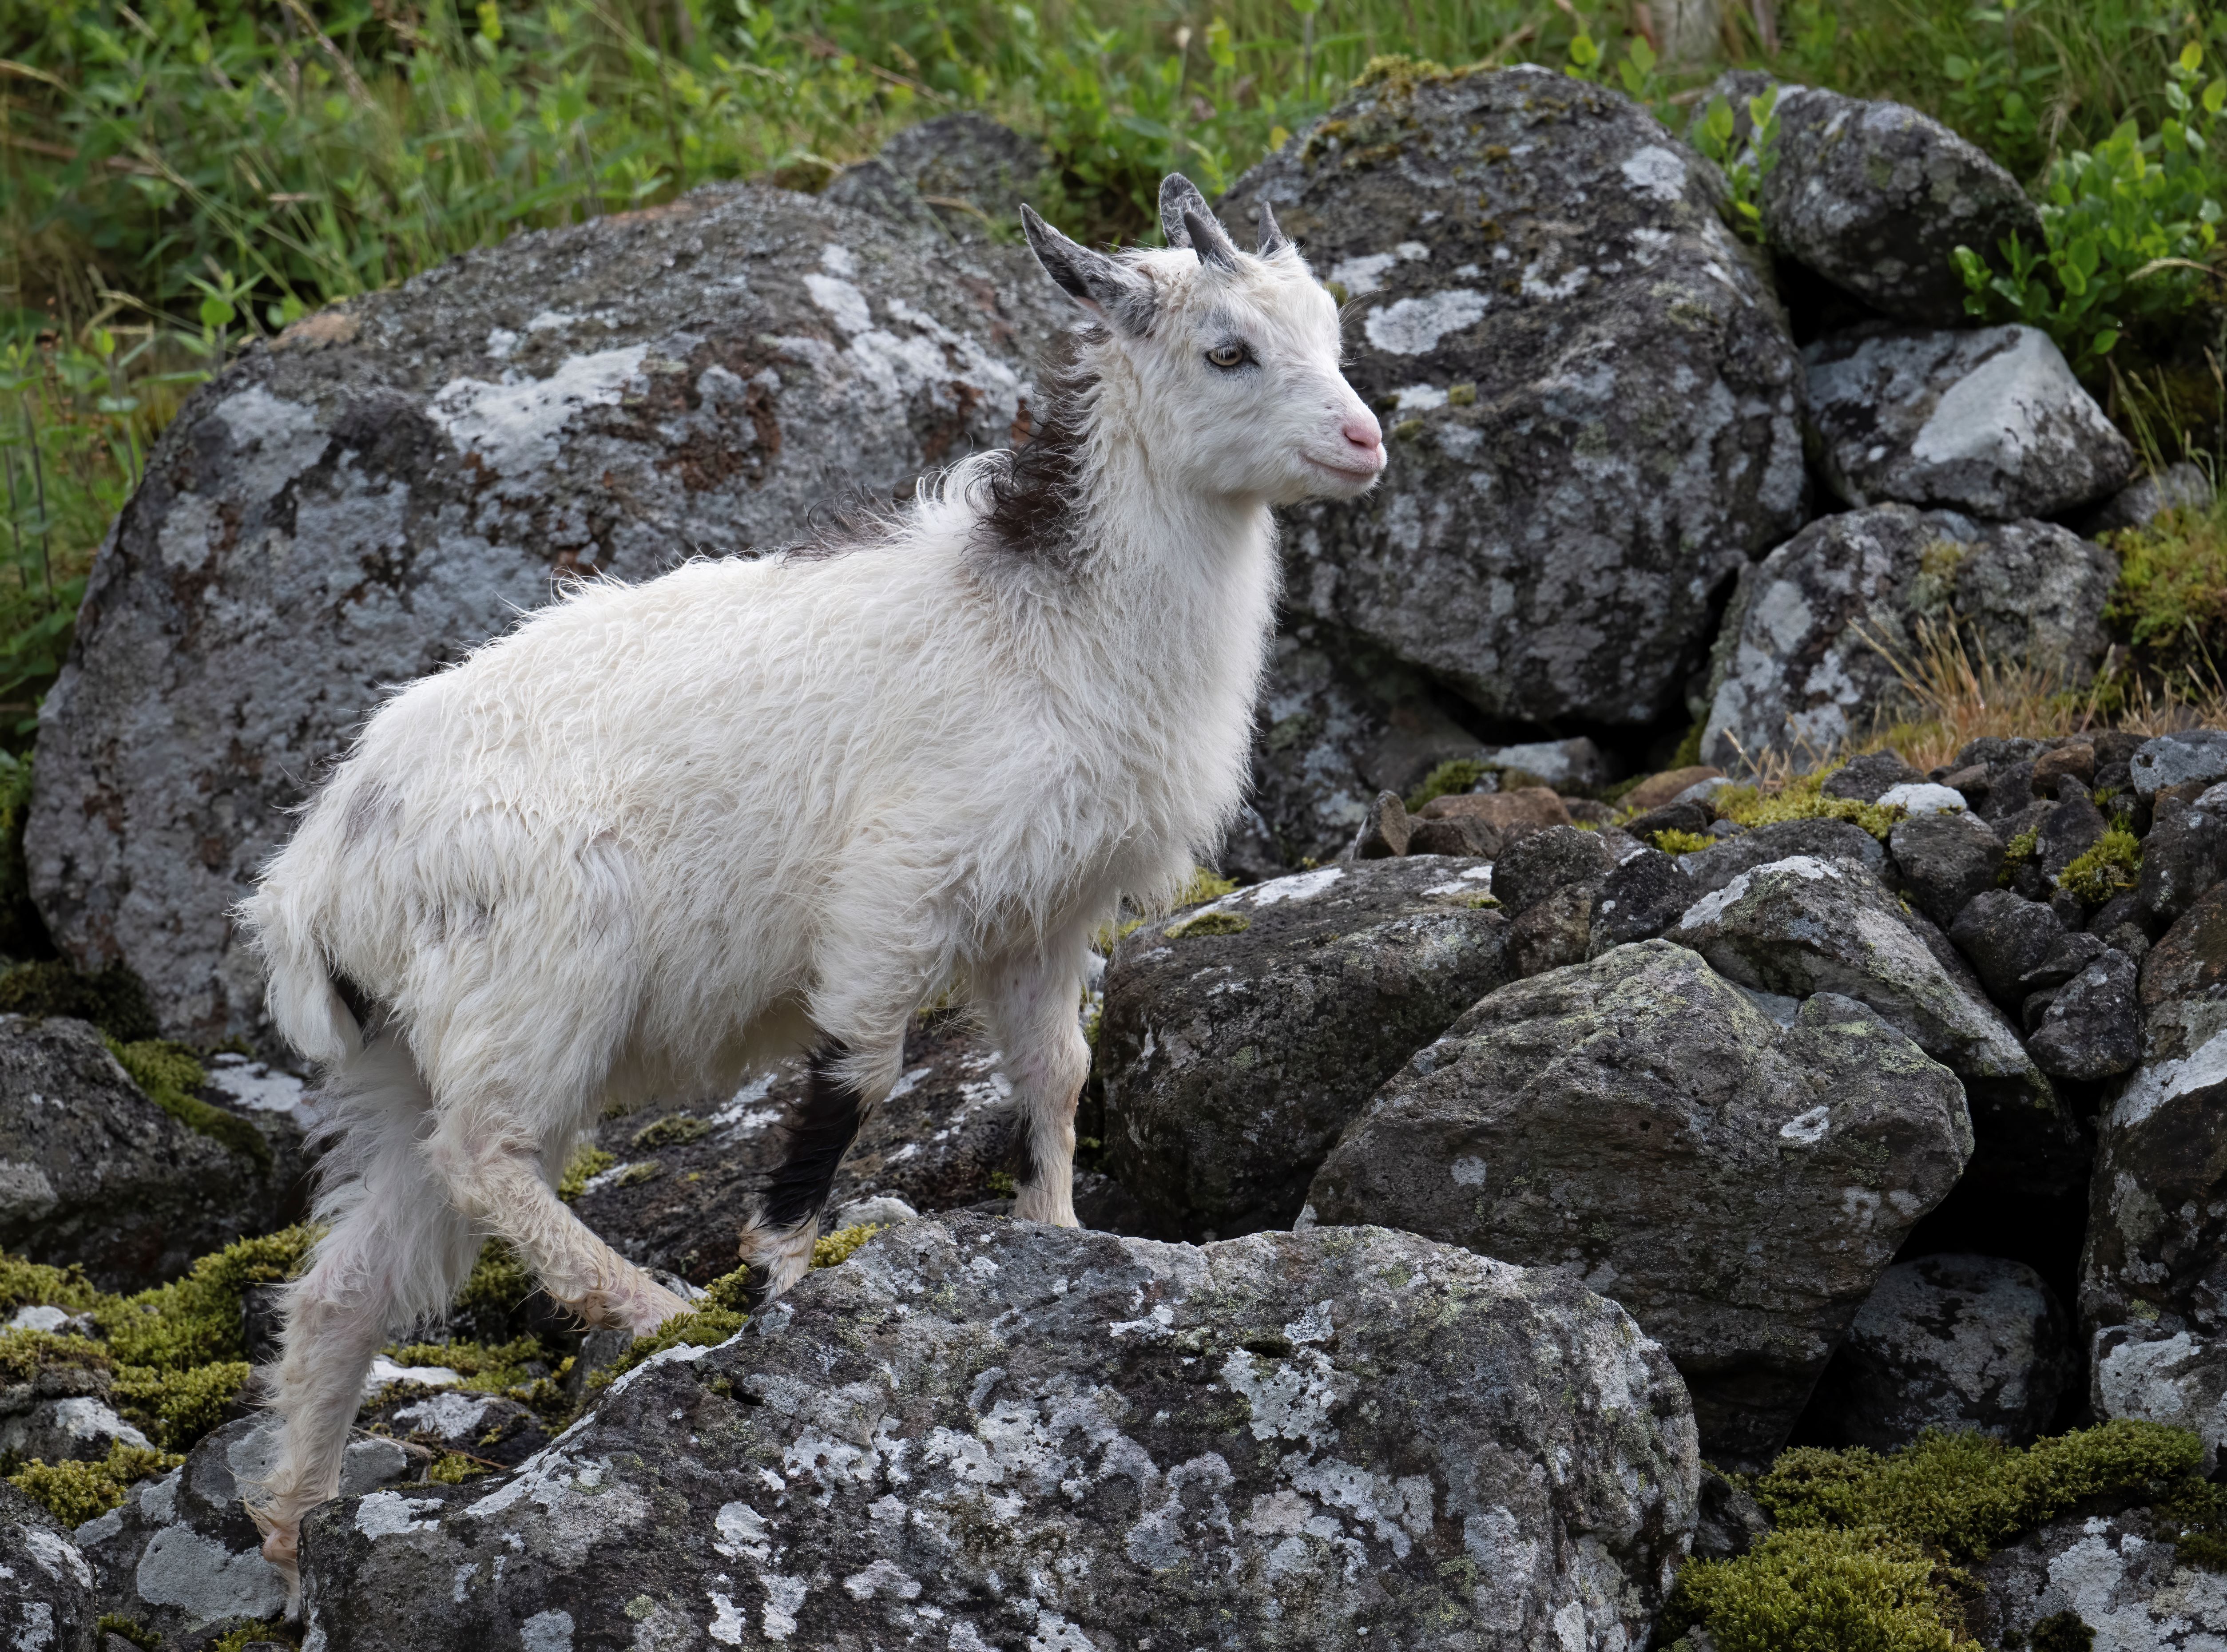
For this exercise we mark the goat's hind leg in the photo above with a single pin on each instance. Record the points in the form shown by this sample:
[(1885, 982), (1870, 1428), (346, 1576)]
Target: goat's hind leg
[(1033, 1004), (776, 1243)]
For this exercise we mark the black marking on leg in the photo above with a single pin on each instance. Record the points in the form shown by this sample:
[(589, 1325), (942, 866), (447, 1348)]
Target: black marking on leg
[(820, 1131), (1021, 1159)]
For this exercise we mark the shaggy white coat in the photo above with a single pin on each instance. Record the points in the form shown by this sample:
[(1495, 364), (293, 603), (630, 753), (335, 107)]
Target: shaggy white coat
[(659, 835)]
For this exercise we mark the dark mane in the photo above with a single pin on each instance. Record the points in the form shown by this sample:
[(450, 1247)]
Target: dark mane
[(1036, 504)]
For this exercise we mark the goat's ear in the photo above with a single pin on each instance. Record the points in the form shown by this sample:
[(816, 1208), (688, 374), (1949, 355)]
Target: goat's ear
[(1272, 238), (1209, 240), (1104, 286), (1179, 196)]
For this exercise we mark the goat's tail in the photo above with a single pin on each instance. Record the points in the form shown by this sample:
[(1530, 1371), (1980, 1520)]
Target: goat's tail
[(303, 998)]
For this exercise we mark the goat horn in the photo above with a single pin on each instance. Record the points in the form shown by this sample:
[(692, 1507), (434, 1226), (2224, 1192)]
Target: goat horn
[(1272, 237), (1209, 240)]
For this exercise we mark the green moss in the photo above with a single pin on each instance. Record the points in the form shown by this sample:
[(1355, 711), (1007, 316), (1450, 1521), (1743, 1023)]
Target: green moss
[(74, 1493), (1671, 841), (113, 999), (454, 1468), (1803, 798), (2172, 591), (585, 1165), (674, 1130), (30, 1284), (1209, 923), (1003, 1185), (1203, 886), (169, 1074), (23, 1352), (1402, 73), (116, 1623), (1819, 1591), (499, 1284), (1448, 779), (2113, 865), (1968, 1494), (176, 1408), (1689, 754), (196, 1320), (835, 1249), (484, 1368), (2061, 1632), (249, 1633), (634, 1175), (2020, 849)]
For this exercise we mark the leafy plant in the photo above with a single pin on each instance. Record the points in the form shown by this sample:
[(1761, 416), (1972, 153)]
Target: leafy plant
[(1744, 162), (2128, 225)]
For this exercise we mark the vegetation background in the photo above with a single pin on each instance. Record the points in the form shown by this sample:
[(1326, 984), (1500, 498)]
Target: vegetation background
[(177, 179)]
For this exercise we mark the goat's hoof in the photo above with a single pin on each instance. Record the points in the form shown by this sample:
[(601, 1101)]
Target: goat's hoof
[(760, 1288)]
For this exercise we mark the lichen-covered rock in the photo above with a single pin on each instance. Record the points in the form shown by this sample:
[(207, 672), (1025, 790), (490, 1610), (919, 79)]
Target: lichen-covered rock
[(2195, 755), (180, 1555), (1644, 895), (1944, 859), (2106, 1580), (2092, 1028), (2184, 855), (1963, 1343), (1808, 670), (1876, 198), (2182, 485), (1339, 722), (1806, 925), (959, 172), (682, 1177), (2153, 1276), (1989, 421), (1736, 1183), (2018, 947), (1710, 869), (93, 1172), (1240, 1039), (388, 483), (982, 1433), (1593, 402), (45, 1587)]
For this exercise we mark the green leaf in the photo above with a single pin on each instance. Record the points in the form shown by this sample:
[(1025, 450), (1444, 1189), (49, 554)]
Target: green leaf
[(1717, 121), (2192, 57), (215, 312), (2104, 341), (2215, 97), (1957, 69), (1643, 55)]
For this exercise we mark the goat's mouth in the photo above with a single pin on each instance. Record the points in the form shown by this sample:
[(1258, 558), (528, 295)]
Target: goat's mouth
[(1351, 476)]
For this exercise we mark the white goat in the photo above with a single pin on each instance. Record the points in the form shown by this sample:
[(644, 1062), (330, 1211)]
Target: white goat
[(661, 833)]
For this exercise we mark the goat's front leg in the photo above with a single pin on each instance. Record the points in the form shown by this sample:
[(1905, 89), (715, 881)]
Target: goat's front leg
[(1033, 1001)]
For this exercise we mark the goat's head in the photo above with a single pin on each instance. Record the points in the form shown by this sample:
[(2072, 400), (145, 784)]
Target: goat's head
[(1234, 355)]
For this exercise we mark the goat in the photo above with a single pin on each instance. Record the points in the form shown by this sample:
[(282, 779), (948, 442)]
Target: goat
[(659, 834)]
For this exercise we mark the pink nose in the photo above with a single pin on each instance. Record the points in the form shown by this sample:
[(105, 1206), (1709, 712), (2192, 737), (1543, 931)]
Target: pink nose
[(1365, 437)]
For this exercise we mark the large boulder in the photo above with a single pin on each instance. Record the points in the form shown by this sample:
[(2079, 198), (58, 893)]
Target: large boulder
[(1963, 1343), (1593, 403), (2110, 1580), (1876, 198), (1991, 422), (1826, 624), (1239, 1039), (1806, 925), (1637, 1121), (2153, 1276), (388, 483), (978, 1433), (91, 1171), (45, 1587), (180, 1556)]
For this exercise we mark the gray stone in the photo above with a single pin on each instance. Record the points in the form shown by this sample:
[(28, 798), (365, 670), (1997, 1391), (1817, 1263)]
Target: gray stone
[(1870, 777), (2180, 486), (2111, 1575), (1731, 1522), (1384, 832), (1944, 860), (80, 1429), (2184, 856), (1710, 869), (1876, 198), (1808, 671), (2153, 1274), (1572, 765), (1540, 866), (1593, 403), (685, 1176), (93, 1172), (980, 1432), (45, 1587), (385, 486), (1637, 1122), (1643, 896), (1338, 723), (1806, 925), (487, 1426), (963, 171), (181, 1556), (1961, 1344), (2016, 945), (2092, 1028), (1233, 1060), (2196, 755), (1990, 421)]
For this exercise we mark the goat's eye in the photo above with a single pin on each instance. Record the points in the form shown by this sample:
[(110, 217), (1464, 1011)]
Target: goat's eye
[(1229, 355)]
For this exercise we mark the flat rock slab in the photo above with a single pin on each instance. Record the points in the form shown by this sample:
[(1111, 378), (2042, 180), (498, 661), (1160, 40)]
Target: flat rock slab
[(1961, 1344), (1989, 421), (2115, 1575), (1592, 400), (93, 1172), (385, 486), (1637, 1121), (1804, 669), (45, 1587), (978, 1434), (1233, 1060), (1876, 198), (1805, 925)]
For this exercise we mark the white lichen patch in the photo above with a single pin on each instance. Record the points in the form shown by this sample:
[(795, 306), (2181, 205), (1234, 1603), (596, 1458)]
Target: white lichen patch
[(1656, 172), (389, 1514), (513, 428), (1415, 326), (1289, 1398)]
